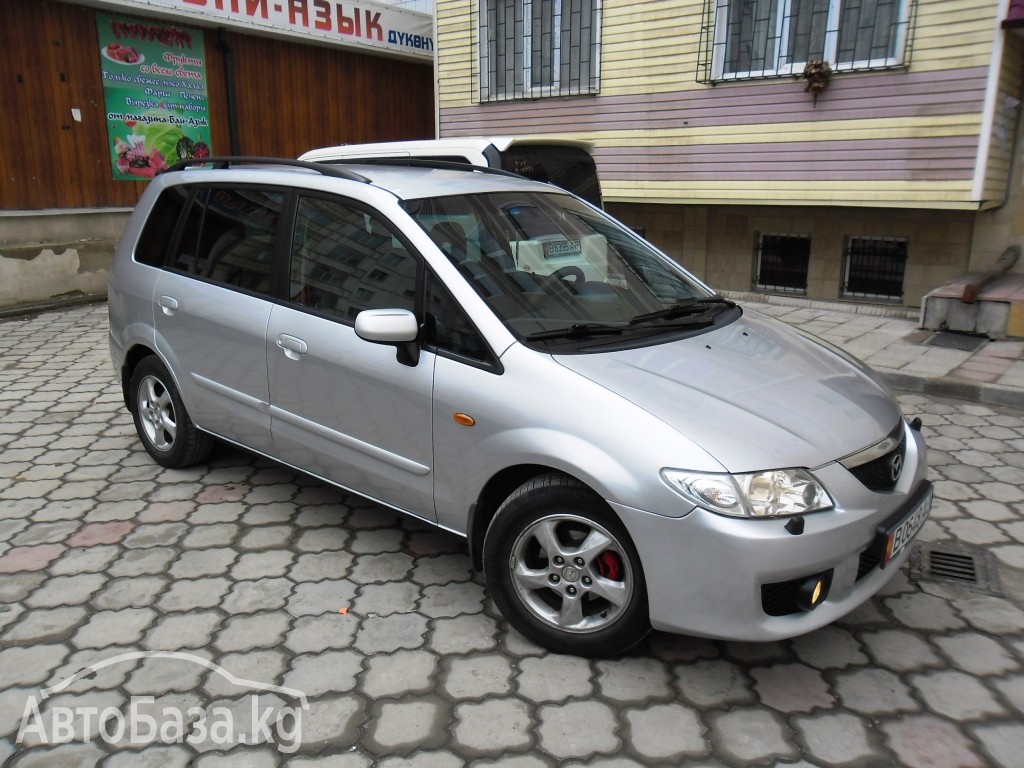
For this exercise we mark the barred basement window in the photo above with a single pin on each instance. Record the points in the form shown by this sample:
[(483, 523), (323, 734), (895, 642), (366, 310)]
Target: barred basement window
[(874, 267), (536, 48), (743, 39), (782, 262)]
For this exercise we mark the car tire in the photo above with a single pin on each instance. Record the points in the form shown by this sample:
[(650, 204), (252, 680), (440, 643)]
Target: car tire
[(164, 426), (562, 569)]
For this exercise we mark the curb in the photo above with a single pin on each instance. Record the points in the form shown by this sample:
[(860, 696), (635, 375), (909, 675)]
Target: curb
[(842, 307), (958, 389), (49, 305)]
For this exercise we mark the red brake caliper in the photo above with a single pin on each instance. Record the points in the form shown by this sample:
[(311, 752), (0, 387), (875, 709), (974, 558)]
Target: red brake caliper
[(609, 566)]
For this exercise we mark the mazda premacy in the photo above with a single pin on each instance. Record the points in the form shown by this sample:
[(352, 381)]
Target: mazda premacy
[(621, 446)]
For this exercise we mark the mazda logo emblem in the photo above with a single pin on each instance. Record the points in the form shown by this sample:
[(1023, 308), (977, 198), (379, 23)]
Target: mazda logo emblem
[(896, 467)]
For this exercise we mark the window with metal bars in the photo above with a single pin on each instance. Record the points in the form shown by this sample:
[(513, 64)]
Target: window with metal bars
[(536, 48), (742, 39), (874, 267), (781, 263)]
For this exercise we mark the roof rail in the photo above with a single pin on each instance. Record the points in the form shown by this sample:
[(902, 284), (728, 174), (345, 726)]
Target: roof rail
[(227, 161), (423, 162)]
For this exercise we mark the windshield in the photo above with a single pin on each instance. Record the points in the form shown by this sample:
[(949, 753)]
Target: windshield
[(557, 271), (570, 168)]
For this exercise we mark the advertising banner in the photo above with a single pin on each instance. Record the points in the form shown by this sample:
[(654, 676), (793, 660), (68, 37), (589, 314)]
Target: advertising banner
[(366, 24), (154, 86)]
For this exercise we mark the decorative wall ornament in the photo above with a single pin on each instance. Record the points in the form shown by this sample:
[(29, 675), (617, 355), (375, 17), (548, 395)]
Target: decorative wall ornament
[(817, 73)]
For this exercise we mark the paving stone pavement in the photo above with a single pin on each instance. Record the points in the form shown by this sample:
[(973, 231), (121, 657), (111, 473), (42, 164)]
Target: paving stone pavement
[(248, 571)]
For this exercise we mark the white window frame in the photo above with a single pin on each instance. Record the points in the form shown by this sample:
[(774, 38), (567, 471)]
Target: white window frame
[(781, 32), (523, 46)]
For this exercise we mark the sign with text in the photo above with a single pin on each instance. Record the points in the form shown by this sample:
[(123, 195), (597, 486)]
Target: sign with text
[(154, 86), (355, 23)]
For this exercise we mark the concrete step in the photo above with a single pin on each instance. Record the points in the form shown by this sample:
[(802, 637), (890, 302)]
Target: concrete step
[(998, 312)]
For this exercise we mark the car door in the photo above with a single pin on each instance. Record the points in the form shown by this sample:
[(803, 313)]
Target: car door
[(343, 408), (212, 309)]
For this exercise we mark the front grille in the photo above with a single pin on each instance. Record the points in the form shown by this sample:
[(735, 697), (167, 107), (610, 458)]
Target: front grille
[(779, 599), (869, 560), (883, 473)]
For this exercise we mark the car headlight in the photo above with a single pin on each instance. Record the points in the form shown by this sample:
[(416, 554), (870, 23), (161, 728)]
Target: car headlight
[(772, 493)]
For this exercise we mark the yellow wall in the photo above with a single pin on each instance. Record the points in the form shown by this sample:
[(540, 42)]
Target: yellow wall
[(653, 48)]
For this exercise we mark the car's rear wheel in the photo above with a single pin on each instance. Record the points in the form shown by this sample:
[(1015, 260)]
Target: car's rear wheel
[(164, 426), (563, 571)]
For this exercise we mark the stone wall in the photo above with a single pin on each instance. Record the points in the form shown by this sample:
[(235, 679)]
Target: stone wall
[(717, 243), (52, 255)]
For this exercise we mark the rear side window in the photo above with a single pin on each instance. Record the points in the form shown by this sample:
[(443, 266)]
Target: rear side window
[(158, 233), (229, 236), (184, 255)]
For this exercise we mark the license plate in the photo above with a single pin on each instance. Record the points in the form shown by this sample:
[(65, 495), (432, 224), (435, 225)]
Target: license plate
[(562, 248), (903, 531)]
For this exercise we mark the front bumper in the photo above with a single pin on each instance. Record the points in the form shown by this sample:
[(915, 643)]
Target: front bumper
[(705, 571)]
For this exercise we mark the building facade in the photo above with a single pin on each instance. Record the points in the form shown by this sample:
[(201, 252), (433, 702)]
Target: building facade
[(860, 150), (98, 95)]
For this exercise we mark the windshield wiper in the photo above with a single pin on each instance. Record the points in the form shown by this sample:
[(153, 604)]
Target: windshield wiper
[(578, 331), (719, 300), (688, 308)]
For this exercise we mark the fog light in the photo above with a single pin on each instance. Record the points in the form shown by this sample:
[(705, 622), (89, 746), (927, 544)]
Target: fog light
[(813, 592)]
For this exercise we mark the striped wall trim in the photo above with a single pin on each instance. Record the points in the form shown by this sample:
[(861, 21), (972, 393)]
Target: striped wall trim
[(883, 95), (928, 159), (922, 194)]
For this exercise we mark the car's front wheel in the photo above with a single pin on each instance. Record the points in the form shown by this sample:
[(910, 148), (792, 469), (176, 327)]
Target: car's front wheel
[(563, 571), (163, 424)]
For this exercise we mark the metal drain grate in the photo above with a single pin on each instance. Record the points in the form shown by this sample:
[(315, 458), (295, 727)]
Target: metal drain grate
[(953, 565), (961, 341), (955, 562)]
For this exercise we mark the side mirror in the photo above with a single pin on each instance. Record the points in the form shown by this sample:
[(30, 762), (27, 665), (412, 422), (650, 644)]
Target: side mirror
[(391, 326)]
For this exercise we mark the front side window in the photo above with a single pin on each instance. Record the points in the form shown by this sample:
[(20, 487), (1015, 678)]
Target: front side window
[(447, 326), (535, 48), (345, 260), (760, 38)]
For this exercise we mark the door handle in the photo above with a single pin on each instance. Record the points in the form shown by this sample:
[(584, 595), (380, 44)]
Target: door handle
[(168, 304), (293, 347)]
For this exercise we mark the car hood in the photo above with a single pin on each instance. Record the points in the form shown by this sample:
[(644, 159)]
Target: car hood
[(754, 394)]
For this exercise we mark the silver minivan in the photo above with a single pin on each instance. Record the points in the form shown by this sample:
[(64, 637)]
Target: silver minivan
[(621, 447)]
